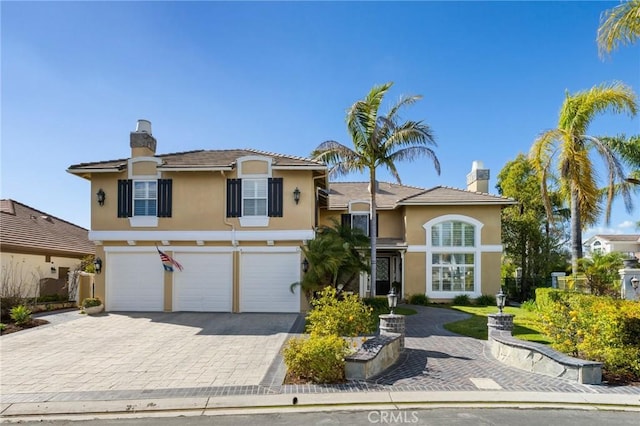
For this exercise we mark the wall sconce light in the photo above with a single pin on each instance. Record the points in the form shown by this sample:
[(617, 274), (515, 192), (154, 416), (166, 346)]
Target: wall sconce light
[(500, 299), (634, 282), (101, 196), (296, 195), (97, 265), (305, 266), (53, 268)]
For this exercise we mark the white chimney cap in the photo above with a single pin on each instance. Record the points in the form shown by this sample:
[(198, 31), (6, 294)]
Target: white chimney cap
[(143, 126), (477, 165)]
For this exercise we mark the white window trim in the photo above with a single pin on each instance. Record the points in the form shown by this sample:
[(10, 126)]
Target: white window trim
[(476, 250), (254, 221), (367, 215), (143, 221)]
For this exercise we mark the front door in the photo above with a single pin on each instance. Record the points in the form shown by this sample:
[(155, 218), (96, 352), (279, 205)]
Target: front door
[(383, 281)]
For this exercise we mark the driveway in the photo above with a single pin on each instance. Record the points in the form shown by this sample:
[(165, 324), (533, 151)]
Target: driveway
[(118, 351)]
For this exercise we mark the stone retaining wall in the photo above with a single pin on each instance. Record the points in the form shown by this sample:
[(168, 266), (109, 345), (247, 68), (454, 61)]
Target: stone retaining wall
[(374, 356), (538, 358)]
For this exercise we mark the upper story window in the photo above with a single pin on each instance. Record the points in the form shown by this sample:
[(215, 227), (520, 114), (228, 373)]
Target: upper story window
[(453, 234), (358, 221), (597, 247), (145, 194), (254, 197)]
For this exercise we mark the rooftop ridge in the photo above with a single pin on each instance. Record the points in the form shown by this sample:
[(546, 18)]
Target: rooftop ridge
[(292, 157), (41, 213)]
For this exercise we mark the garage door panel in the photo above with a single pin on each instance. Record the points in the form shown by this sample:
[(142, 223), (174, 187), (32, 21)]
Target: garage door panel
[(205, 284), (135, 282), (265, 281)]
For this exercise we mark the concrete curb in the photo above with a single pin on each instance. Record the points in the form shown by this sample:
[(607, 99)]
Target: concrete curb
[(253, 404)]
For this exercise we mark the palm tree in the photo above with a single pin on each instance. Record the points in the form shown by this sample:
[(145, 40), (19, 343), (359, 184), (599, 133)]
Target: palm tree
[(572, 144), (378, 140), (619, 26)]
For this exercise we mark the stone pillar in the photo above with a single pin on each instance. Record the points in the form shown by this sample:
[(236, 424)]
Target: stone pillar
[(626, 289), (500, 322), (393, 324)]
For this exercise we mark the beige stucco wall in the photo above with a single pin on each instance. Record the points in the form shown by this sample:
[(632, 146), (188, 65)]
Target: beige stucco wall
[(29, 269), (144, 168), (199, 202)]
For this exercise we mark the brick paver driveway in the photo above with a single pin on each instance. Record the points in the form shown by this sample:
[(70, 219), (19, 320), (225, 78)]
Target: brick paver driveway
[(142, 351)]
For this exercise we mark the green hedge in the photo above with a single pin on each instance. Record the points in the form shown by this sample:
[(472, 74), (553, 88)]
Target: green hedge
[(597, 328)]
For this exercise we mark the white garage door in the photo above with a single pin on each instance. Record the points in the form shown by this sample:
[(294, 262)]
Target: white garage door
[(205, 284), (135, 282), (265, 279)]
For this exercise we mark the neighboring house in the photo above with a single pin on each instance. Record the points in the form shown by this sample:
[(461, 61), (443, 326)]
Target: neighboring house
[(628, 244), (38, 250), (235, 221), (441, 242)]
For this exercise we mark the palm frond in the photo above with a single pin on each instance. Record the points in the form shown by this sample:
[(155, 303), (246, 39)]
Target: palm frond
[(618, 27)]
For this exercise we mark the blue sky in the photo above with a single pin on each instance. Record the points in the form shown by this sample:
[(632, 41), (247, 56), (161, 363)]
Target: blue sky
[(279, 76)]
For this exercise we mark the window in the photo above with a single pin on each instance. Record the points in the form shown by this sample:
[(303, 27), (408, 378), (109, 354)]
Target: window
[(254, 197), (597, 247), (453, 272), (453, 256), (453, 234), (358, 221), (361, 222), (145, 195)]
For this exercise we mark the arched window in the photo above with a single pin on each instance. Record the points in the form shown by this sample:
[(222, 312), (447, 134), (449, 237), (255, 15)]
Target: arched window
[(452, 255)]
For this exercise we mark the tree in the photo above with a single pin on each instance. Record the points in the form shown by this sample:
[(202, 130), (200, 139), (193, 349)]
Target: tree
[(530, 241), (601, 271), (571, 144), (333, 257), (619, 26), (378, 140)]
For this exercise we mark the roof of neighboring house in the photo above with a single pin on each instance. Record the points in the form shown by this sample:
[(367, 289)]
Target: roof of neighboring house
[(199, 159), (25, 229), (391, 195), (612, 238)]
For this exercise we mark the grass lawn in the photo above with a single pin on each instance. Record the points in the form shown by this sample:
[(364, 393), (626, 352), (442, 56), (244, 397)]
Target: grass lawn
[(525, 323)]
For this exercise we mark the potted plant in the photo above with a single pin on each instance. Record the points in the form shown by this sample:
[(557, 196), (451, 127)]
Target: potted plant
[(92, 305)]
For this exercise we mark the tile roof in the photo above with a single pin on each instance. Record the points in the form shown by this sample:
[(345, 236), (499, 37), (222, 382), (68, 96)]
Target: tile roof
[(24, 228), (391, 195), (202, 158)]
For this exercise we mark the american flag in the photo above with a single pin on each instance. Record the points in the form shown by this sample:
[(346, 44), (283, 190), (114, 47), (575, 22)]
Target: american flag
[(168, 262)]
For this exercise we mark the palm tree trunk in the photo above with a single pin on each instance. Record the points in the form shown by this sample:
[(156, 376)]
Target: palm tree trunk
[(372, 228), (576, 230)]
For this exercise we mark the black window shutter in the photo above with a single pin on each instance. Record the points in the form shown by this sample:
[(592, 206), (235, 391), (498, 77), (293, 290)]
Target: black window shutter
[(345, 220), (164, 197), (234, 197), (274, 194), (125, 198)]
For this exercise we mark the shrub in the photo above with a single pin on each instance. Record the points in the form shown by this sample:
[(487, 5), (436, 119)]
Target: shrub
[(2, 327), (341, 317), (319, 359), (20, 314), (91, 301), (595, 328), (529, 305), (53, 298), (377, 303), (419, 299), (462, 300), (486, 300)]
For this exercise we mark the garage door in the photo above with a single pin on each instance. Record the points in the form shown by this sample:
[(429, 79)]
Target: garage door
[(135, 282), (205, 284), (265, 279)]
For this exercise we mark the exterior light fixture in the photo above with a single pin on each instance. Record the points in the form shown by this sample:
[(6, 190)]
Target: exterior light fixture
[(101, 196), (305, 266), (634, 282), (97, 265), (296, 195), (500, 299), (392, 299)]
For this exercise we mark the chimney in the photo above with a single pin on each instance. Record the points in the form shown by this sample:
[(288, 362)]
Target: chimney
[(478, 178), (143, 144)]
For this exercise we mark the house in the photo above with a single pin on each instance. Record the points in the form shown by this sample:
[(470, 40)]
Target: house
[(234, 221), (628, 244), (38, 250), (440, 241)]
